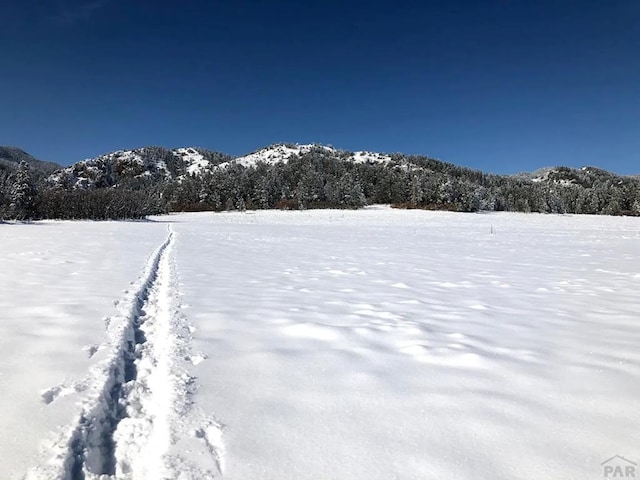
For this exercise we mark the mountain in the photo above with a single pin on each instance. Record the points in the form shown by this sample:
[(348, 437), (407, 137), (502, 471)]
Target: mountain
[(156, 164), (10, 158), (150, 180), (141, 165), (153, 164)]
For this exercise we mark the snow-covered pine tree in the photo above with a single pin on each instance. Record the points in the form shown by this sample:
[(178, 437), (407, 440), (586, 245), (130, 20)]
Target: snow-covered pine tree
[(23, 194)]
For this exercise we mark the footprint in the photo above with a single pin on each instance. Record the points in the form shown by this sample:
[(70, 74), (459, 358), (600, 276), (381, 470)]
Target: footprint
[(91, 349), (62, 390), (212, 433), (52, 394), (198, 358)]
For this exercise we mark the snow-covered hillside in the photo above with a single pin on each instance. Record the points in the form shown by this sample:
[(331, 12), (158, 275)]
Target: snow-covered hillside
[(282, 152), (148, 163), (105, 170), (370, 157), (158, 164), (368, 344), (278, 153), (194, 161), (10, 158), (585, 176)]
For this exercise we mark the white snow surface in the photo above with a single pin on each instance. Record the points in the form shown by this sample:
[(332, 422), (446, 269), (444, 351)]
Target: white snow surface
[(59, 281), (326, 344)]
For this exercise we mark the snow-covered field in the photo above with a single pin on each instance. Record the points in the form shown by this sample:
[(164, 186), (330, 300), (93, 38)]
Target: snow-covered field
[(373, 344)]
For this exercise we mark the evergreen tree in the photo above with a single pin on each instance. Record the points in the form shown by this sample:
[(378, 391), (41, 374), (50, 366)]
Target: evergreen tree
[(23, 194)]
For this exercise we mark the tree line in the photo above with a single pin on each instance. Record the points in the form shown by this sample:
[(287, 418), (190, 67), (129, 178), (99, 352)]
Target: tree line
[(320, 178)]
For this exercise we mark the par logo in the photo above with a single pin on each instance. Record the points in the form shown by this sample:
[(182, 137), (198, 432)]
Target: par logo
[(619, 467)]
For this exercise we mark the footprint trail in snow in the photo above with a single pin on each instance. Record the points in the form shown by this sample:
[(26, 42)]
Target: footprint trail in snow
[(137, 401)]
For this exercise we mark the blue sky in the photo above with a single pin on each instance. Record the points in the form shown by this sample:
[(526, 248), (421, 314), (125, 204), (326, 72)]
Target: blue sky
[(499, 85)]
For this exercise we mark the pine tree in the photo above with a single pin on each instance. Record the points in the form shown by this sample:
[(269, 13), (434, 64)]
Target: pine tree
[(23, 194), (348, 192)]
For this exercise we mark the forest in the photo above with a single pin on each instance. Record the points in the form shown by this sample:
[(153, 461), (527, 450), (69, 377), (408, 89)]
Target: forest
[(157, 180)]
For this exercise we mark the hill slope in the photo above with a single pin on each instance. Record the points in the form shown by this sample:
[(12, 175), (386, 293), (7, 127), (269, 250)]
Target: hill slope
[(10, 158), (141, 165)]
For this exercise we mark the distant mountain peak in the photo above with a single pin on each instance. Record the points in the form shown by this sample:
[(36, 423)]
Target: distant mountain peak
[(10, 157)]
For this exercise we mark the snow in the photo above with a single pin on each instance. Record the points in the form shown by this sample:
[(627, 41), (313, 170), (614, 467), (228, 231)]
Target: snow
[(59, 281), (370, 157), (543, 174), (82, 174), (368, 344), (282, 152), (276, 153), (196, 163)]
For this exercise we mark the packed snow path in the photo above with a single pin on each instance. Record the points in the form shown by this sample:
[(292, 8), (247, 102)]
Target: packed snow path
[(137, 394)]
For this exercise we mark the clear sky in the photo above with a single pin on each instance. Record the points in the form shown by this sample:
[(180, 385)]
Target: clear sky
[(499, 85)]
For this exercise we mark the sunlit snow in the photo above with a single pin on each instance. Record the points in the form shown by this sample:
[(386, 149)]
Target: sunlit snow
[(194, 160), (276, 153), (283, 152), (370, 344)]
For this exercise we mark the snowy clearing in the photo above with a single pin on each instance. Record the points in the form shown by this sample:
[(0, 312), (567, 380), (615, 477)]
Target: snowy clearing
[(369, 344)]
